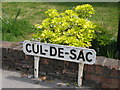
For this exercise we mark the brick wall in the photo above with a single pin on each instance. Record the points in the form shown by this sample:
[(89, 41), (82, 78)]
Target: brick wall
[(105, 73)]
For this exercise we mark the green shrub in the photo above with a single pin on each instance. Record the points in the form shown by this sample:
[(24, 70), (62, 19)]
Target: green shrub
[(102, 35), (104, 43), (71, 27)]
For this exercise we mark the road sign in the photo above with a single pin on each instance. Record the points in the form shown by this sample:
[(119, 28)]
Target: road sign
[(60, 52), (79, 55)]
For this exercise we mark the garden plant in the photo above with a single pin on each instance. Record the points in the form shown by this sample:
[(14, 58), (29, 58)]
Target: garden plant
[(74, 24), (71, 27), (74, 28)]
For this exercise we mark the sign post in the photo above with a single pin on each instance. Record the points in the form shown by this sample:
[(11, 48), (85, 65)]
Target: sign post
[(36, 66), (80, 74), (78, 55)]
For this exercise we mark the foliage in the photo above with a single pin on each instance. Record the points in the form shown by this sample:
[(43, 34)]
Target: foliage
[(104, 43), (102, 36), (32, 13), (14, 29), (71, 27)]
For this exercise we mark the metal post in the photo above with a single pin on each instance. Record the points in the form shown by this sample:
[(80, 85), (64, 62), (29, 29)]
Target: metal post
[(36, 66), (80, 74)]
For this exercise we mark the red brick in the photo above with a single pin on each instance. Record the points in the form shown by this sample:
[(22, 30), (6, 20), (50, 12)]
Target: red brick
[(98, 69), (73, 66), (93, 77), (114, 73), (96, 78), (29, 58), (88, 76), (90, 69), (104, 80), (45, 61), (114, 86), (26, 57), (113, 81), (104, 85), (66, 63), (85, 67), (106, 72)]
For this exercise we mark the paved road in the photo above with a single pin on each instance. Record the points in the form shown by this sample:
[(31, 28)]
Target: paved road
[(12, 79)]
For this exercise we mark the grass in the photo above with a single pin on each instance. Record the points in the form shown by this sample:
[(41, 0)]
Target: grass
[(106, 13)]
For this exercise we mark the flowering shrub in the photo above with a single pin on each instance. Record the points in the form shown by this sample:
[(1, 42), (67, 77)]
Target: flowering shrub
[(71, 27)]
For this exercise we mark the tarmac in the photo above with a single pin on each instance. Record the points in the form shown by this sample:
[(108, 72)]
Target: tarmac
[(13, 79)]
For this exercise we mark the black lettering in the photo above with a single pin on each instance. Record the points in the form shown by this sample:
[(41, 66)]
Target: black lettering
[(81, 56), (89, 60), (51, 53), (60, 52), (41, 50), (27, 47), (72, 52), (33, 48)]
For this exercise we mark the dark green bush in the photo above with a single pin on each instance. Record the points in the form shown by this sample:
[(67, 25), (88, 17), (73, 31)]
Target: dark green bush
[(104, 43)]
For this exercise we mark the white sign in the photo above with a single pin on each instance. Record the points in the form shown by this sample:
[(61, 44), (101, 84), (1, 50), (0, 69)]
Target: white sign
[(60, 52)]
